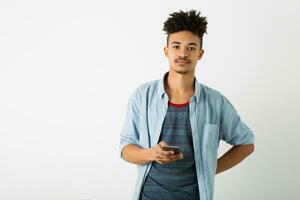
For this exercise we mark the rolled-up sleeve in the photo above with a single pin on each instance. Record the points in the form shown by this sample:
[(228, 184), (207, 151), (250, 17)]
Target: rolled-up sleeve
[(232, 129), (130, 130)]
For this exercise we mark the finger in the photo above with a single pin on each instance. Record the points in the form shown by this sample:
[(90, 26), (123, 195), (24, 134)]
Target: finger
[(180, 156), (172, 157), (164, 161), (163, 144), (169, 158), (176, 157), (158, 147), (163, 157), (166, 153)]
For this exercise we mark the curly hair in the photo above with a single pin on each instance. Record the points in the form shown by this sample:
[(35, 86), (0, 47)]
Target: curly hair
[(186, 21)]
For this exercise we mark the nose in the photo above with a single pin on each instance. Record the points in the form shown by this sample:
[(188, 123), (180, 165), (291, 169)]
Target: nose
[(183, 53)]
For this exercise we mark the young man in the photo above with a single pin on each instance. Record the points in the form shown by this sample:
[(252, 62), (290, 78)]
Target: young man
[(177, 110)]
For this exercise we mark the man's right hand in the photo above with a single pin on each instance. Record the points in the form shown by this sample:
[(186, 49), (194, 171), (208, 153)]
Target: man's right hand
[(164, 157)]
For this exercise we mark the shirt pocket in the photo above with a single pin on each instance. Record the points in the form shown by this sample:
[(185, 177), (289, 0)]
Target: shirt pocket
[(211, 135)]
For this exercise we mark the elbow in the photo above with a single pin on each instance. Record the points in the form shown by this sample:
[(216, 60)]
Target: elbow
[(251, 148), (246, 148)]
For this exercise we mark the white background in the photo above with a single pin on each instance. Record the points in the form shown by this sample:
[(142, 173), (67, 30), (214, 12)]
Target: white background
[(67, 69)]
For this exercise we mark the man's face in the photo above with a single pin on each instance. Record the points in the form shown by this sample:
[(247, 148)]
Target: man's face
[(183, 52)]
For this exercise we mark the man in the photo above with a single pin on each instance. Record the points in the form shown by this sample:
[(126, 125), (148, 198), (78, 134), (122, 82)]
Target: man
[(177, 110)]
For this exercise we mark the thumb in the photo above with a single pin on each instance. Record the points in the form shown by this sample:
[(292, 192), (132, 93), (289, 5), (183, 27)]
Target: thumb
[(163, 143)]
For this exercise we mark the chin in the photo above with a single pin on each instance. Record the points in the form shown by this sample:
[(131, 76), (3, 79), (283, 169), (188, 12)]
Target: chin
[(181, 71)]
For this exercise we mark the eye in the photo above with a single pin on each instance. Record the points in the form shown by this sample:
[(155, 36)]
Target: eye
[(191, 48), (176, 47)]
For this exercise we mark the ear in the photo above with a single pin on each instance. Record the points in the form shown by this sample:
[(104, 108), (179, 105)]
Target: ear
[(201, 52), (166, 49)]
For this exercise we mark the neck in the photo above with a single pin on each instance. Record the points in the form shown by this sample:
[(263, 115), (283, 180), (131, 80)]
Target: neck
[(180, 83)]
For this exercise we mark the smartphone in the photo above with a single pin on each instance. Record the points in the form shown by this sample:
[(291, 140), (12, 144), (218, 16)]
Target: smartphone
[(176, 149)]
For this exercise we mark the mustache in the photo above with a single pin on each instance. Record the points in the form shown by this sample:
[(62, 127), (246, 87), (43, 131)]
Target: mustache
[(182, 59)]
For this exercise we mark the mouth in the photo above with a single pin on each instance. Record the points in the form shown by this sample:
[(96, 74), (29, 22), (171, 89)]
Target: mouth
[(182, 62)]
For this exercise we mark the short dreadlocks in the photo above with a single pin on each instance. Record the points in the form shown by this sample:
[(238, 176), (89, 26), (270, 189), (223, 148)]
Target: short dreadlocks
[(186, 21)]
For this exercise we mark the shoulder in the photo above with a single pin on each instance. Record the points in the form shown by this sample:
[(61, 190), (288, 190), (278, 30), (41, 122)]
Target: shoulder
[(210, 92), (147, 87), (218, 99), (145, 91), (214, 96)]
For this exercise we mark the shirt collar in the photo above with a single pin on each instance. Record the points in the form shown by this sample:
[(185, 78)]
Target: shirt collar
[(162, 92)]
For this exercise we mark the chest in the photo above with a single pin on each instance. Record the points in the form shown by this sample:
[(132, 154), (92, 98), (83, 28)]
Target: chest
[(180, 98)]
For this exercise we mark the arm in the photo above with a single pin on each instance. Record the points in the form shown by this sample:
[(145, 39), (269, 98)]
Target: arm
[(233, 156), (235, 132), (137, 155)]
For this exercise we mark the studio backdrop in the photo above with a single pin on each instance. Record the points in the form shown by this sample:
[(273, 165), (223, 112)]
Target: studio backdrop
[(67, 69)]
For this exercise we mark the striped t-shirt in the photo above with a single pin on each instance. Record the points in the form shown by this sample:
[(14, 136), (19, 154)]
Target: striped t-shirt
[(178, 179)]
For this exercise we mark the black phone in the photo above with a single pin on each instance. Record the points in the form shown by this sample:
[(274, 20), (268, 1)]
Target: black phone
[(176, 149)]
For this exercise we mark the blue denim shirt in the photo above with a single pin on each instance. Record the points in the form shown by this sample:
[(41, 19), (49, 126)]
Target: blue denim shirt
[(212, 118)]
